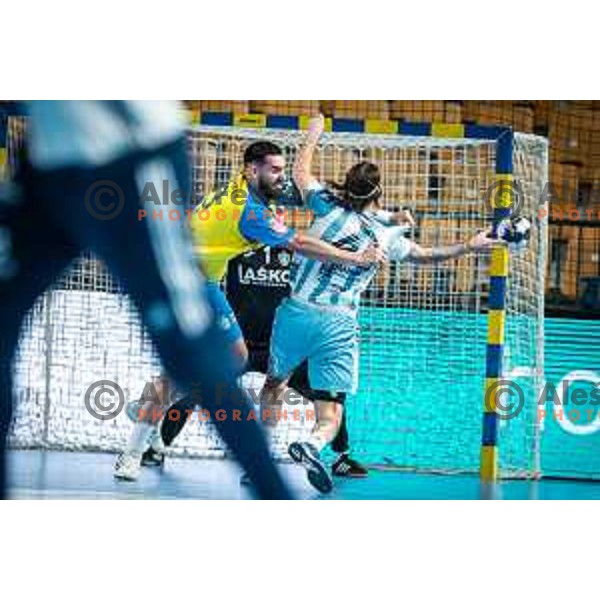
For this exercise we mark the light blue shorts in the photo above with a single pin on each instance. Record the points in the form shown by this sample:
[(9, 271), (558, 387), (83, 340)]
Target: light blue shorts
[(327, 337)]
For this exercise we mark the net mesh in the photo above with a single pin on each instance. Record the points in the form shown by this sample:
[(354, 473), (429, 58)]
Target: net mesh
[(423, 329)]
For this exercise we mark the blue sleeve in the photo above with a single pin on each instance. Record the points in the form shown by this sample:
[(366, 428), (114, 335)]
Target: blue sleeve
[(320, 200), (259, 224)]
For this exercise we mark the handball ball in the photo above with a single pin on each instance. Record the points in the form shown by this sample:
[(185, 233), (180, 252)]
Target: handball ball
[(515, 232)]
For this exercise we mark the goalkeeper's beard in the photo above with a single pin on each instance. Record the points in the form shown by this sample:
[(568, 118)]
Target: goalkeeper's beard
[(269, 191)]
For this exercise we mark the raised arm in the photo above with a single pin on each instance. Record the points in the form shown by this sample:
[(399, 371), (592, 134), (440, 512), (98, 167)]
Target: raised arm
[(478, 244), (302, 171), (305, 181)]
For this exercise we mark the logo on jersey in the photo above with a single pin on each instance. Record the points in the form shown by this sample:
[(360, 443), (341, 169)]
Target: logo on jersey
[(263, 276), (284, 258)]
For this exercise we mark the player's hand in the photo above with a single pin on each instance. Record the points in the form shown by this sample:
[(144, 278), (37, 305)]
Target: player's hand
[(316, 126), (483, 242), (373, 255)]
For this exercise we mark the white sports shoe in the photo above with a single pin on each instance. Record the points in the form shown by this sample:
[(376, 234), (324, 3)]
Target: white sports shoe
[(127, 466)]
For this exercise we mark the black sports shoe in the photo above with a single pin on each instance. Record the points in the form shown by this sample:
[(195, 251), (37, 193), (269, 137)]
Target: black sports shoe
[(344, 466), (151, 458), (306, 454)]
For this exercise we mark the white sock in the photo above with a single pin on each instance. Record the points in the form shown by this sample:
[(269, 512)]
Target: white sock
[(138, 441), (318, 442), (156, 441)]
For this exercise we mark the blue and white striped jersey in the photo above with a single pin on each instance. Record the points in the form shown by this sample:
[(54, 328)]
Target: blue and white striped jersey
[(341, 284)]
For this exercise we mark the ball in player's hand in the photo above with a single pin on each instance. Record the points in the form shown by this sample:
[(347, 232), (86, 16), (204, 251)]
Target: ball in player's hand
[(515, 232)]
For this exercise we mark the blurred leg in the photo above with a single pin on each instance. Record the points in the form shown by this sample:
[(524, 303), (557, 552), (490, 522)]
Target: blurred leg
[(38, 252), (154, 259)]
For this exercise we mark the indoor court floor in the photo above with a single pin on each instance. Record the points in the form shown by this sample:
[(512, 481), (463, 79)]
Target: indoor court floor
[(84, 475)]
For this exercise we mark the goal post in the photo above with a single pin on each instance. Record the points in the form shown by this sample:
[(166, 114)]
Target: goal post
[(502, 205), (434, 338)]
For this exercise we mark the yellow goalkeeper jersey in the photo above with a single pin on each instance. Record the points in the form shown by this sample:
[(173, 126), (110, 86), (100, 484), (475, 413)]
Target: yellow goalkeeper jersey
[(231, 221)]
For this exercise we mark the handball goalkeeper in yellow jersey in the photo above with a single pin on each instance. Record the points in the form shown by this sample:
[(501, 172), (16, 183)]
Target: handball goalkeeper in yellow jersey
[(241, 217)]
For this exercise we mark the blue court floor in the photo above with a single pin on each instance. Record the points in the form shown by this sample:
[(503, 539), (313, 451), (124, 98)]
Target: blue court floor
[(62, 475)]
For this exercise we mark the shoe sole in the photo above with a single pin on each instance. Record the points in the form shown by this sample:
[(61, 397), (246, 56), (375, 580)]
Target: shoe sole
[(295, 452), (152, 463), (124, 477), (350, 476), (317, 474)]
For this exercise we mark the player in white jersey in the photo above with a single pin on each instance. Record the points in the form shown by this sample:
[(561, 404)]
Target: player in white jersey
[(318, 322)]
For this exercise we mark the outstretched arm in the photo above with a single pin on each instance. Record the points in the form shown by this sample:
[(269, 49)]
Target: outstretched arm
[(478, 244), (401, 218)]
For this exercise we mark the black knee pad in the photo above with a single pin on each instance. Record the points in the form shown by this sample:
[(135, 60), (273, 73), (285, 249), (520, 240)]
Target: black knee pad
[(324, 396)]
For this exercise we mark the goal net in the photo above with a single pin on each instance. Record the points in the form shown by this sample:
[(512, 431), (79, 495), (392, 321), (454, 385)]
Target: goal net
[(423, 328)]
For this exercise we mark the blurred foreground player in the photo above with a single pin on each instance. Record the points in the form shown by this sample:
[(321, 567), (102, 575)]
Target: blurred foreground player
[(87, 165)]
